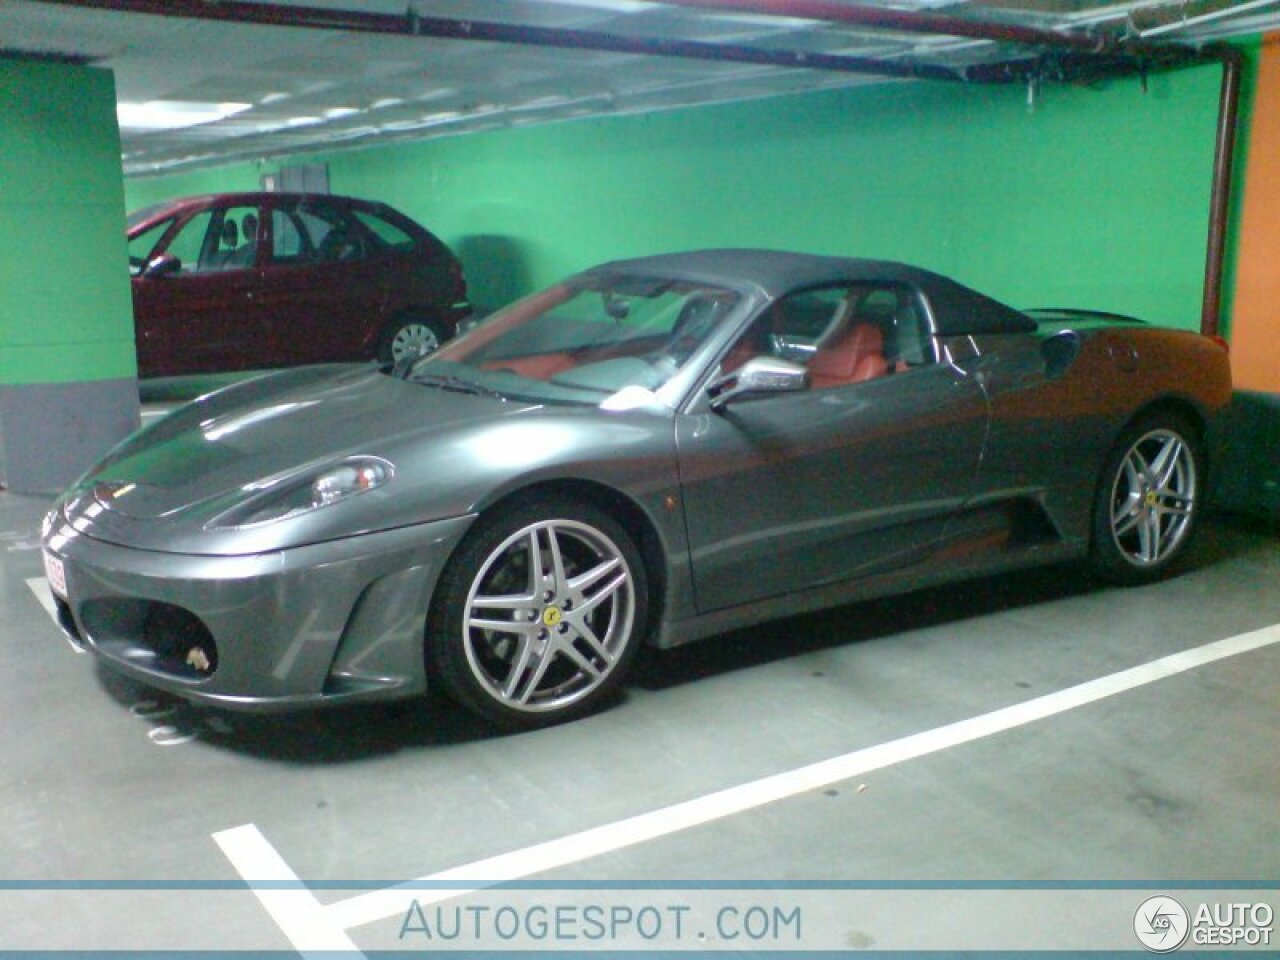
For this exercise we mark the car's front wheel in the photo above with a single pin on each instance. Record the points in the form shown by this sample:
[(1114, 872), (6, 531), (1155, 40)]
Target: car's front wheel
[(409, 337), (1149, 499), (539, 613)]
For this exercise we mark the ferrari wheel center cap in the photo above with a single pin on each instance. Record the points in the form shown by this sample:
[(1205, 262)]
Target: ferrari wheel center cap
[(1151, 498), (551, 616)]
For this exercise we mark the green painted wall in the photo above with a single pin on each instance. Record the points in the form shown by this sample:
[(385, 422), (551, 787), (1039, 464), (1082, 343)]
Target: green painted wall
[(1097, 198), (65, 313), (142, 192)]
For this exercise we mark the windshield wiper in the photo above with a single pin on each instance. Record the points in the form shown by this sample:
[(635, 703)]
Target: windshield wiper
[(457, 384)]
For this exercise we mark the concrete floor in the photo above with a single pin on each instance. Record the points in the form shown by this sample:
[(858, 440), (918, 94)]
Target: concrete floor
[(112, 794)]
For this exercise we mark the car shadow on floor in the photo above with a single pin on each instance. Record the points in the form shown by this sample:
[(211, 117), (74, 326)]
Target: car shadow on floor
[(1220, 539), (347, 734), (776, 640), (321, 736)]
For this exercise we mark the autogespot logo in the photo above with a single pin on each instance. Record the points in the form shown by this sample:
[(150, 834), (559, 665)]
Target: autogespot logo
[(1161, 924)]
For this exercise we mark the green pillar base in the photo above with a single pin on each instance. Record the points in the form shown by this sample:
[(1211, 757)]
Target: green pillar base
[(50, 433)]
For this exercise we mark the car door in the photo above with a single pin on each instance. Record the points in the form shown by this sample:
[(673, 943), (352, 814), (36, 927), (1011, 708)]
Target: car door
[(201, 316), (854, 476), (323, 287)]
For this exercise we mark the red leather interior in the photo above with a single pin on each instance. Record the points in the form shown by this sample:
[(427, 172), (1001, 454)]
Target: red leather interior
[(541, 366), (856, 354), (738, 354)]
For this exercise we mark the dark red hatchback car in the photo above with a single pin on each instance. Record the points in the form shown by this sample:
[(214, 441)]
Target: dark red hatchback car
[(258, 280)]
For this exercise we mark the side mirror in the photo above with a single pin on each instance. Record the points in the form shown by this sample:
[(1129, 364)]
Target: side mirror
[(166, 264), (757, 377)]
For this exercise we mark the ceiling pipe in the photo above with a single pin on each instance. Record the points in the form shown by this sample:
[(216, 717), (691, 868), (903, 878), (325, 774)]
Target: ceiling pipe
[(1115, 53), (1184, 23), (918, 21), (411, 24)]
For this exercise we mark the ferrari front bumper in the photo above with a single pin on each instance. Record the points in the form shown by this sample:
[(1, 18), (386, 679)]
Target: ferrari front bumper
[(336, 621)]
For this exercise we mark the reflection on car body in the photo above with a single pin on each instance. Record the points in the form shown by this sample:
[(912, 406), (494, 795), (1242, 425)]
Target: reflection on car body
[(652, 451)]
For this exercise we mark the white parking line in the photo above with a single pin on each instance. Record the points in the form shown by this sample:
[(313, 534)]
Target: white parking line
[(311, 926), (301, 917), (40, 587)]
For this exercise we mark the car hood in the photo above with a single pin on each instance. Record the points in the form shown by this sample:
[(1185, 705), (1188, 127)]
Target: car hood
[(166, 487)]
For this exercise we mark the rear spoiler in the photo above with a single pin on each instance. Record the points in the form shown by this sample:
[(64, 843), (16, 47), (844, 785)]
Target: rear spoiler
[(1070, 315)]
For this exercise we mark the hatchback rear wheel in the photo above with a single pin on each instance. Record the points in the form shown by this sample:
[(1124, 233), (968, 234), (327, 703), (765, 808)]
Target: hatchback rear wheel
[(409, 337)]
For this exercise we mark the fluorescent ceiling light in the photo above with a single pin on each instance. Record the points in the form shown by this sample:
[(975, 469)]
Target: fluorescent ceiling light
[(173, 114)]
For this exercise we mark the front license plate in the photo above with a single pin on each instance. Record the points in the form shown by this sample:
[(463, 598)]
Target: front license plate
[(56, 574)]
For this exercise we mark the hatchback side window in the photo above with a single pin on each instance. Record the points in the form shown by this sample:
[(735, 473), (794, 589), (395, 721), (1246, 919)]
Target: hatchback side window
[(386, 232), (141, 246), (224, 238), (236, 239), (317, 233), (189, 243), (287, 245)]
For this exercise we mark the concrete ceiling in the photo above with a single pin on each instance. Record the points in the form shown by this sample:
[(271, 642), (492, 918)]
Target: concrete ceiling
[(195, 92)]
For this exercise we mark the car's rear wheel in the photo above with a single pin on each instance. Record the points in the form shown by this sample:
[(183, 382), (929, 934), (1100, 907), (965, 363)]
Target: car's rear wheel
[(1149, 499), (539, 613), (408, 337)]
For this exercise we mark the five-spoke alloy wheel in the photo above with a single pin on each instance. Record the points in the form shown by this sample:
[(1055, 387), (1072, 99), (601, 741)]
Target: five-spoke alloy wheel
[(1148, 500), (540, 613)]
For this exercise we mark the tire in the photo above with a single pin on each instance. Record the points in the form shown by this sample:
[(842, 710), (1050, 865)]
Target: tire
[(405, 336), (1149, 499), (557, 637)]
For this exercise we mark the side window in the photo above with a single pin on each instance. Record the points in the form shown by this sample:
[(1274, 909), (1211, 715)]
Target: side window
[(316, 233), (385, 231), (802, 321), (286, 238), (141, 246), (896, 312), (795, 328), (191, 239), (225, 238), (843, 335), (237, 239)]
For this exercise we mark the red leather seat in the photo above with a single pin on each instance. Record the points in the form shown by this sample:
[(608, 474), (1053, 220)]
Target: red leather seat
[(542, 366), (856, 354)]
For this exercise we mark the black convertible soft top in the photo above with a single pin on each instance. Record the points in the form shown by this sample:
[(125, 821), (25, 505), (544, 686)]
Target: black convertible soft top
[(773, 273)]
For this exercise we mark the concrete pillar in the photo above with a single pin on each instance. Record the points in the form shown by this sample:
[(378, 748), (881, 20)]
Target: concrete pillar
[(68, 373)]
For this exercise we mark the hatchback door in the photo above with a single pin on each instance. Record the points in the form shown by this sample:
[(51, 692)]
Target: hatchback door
[(323, 283), (857, 475), (202, 316)]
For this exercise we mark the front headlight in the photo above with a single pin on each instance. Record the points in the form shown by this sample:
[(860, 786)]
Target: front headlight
[(282, 498)]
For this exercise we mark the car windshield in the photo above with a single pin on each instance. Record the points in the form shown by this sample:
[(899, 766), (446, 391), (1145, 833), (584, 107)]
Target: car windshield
[(599, 340)]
